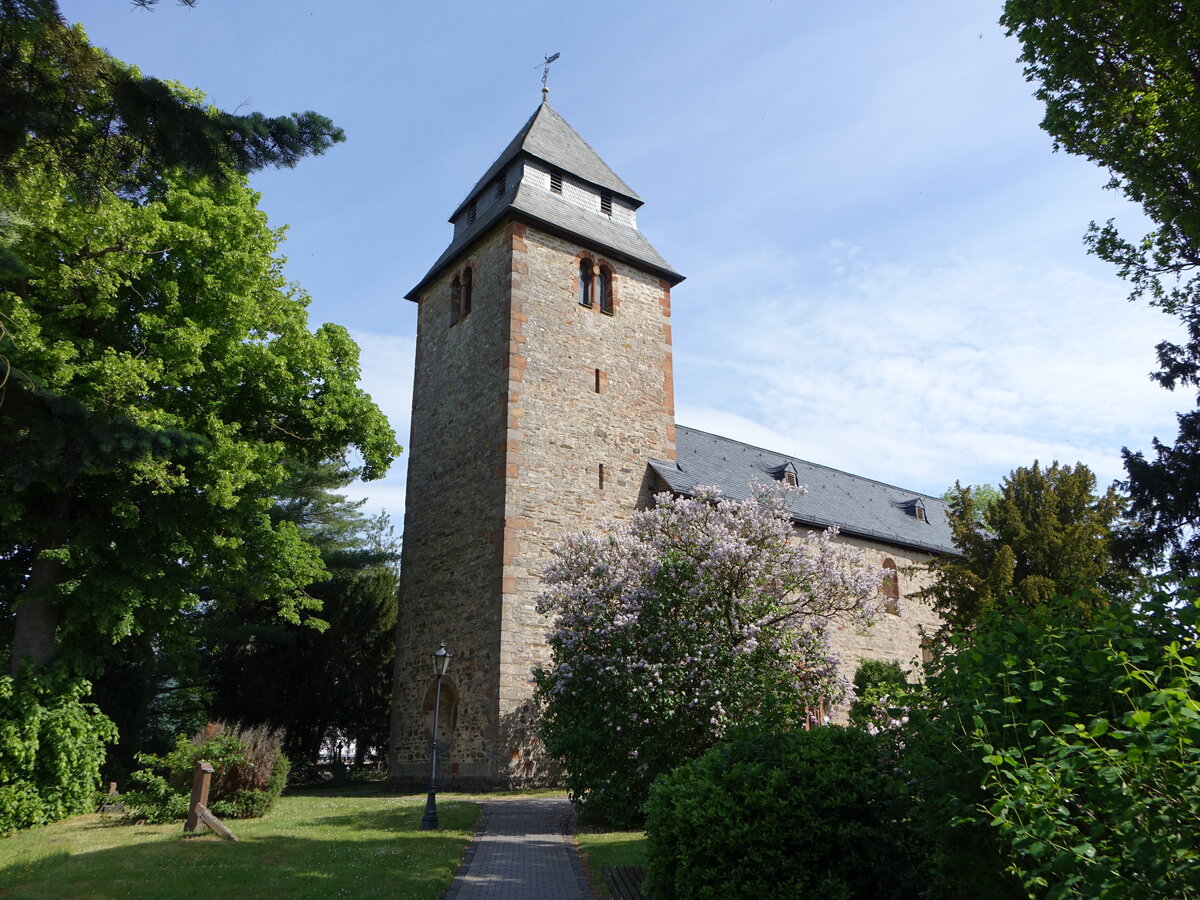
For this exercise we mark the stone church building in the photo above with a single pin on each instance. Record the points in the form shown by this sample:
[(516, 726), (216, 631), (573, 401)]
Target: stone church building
[(543, 403)]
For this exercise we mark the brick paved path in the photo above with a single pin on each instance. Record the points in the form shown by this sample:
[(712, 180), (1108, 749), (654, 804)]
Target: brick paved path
[(522, 851)]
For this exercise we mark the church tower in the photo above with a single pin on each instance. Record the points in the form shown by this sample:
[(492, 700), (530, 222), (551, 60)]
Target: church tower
[(543, 386)]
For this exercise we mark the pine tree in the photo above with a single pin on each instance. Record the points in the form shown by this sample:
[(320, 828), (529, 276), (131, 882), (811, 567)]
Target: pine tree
[(77, 110)]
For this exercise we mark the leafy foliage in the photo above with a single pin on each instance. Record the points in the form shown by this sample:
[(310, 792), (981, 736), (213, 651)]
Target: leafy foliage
[(1046, 537), (315, 683), (818, 813), (249, 772), (700, 614), (878, 687), (162, 372), (157, 373), (1120, 88), (51, 748), (983, 496), (1069, 753), (69, 107)]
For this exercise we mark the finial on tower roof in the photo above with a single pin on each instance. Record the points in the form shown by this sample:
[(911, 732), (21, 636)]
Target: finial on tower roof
[(546, 74)]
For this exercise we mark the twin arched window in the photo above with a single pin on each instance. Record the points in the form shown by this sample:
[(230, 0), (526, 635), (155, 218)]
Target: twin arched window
[(460, 296), (595, 284)]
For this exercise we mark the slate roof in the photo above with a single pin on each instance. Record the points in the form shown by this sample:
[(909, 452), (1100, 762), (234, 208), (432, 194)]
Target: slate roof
[(858, 506), (548, 138)]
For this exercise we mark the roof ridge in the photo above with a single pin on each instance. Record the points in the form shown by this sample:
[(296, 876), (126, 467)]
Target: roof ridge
[(808, 462), (547, 136), (607, 169)]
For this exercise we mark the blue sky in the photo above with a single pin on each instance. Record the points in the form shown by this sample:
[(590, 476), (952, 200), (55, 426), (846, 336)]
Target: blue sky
[(884, 263)]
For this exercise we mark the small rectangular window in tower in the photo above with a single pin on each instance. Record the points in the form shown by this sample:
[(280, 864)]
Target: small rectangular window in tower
[(556, 182), (601, 381), (471, 213), (601, 476), (501, 185), (606, 203)]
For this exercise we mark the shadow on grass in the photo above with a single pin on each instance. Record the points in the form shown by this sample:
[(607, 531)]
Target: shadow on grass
[(602, 850), (325, 856)]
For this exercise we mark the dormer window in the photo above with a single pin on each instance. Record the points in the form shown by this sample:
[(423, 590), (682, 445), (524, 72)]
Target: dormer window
[(785, 472), (587, 283), (556, 182), (915, 508), (606, 203)]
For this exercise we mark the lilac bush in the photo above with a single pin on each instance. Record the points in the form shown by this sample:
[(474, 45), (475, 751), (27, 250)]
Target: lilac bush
[(699, 615)]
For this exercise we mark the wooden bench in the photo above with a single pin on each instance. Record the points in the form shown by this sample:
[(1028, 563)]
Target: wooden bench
[(625, 882)]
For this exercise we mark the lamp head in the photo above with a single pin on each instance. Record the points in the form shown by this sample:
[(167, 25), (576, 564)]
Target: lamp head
[(441, 660)]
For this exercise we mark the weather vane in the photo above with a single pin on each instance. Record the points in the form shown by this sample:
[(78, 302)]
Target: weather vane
[(546, 73)]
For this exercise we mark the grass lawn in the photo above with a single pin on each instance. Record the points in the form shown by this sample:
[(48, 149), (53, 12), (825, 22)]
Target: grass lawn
[(317, 845), (599, 850)]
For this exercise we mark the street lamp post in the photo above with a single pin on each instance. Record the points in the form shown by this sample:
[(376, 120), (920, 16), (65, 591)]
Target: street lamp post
[(441, 662)]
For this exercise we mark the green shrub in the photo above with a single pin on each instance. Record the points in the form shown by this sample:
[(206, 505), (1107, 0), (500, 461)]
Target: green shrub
[(51, 748), (249, 772), (878, 685), (783, 814), (1074, 752)]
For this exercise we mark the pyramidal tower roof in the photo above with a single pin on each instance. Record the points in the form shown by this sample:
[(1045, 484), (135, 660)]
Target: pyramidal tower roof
[(549, 176), (548, 137)]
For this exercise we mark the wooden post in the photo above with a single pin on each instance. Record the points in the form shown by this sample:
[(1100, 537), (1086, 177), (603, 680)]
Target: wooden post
[(214, 823), (201, 778)]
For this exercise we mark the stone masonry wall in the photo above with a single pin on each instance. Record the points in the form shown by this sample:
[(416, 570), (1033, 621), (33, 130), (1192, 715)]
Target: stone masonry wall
[(894, 636), (587, 390), (453, 522), (534, 417)]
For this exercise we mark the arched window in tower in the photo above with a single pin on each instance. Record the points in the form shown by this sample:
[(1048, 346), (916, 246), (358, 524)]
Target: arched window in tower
[(606, 291), (466, 292), (455, 300), (586, 283), (890, 588)]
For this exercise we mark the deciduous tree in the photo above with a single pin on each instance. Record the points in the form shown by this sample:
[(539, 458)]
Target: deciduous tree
[(1121, 82), (160, 372), (700, 614)]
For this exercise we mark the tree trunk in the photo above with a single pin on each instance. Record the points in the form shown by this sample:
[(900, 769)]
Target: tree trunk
[(38, 610)]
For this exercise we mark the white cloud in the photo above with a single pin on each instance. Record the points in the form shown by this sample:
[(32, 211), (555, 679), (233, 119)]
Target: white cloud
[(963, 370)]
